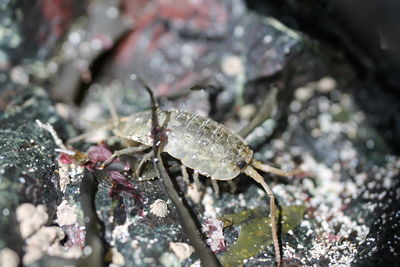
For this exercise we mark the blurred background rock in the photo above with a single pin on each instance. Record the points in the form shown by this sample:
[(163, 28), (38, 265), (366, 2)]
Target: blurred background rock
[(334, 65)]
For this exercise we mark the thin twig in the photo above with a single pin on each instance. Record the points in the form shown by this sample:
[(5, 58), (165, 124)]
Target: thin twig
[(207, 258), (47, 126)]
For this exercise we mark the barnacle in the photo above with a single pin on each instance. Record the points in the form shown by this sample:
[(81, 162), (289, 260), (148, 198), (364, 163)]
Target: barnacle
[(159, 208)]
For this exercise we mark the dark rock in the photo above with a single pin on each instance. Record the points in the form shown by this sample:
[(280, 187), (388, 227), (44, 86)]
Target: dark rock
[(349, 190), (28, 160)]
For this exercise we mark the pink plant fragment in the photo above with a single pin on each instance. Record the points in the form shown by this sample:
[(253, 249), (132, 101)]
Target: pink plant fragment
[(213, 228)]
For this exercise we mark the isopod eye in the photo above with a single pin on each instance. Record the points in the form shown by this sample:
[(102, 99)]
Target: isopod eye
[(241, 164)]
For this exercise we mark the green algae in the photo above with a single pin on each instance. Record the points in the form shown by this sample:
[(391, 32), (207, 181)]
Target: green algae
[(240, 217), (256, 234)]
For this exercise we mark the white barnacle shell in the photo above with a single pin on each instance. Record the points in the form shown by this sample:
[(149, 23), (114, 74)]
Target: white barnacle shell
[(31, 218), (159, 208), (181, 250), (66, 214)]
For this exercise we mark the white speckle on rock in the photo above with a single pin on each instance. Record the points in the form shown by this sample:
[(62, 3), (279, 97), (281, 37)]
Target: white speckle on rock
[(168, 259), (135, 244), (19, 75), (247, 111), (39, 238), (232, 65), (39, 243), (31, 218), (117, 258), (182, 250), (303, 93), (238, 31), (295, 106), (8, 257), (208, 204), (63, 171), (326, 84), (196, 264), (57, 250), (159, 208), (66, 214), (87, 250), (121, 232), (112, 12)]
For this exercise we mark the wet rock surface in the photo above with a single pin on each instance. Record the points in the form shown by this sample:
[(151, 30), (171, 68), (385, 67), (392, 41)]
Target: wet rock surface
[(28, 162), (59, 206)]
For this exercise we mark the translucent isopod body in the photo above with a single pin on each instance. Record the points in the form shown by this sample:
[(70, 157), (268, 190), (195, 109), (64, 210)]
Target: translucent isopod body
[(200, 143)]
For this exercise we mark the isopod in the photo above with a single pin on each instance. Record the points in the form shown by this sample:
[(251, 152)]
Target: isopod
[(203, 145)]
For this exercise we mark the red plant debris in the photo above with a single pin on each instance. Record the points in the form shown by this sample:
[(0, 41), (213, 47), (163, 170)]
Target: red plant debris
[(213, 228), (97, 155), (76, 236), (66, 158), (120, 184), (120, 179)]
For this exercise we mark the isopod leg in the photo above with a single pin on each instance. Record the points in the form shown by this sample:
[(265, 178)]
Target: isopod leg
[(215, 186), (78, 138), (250, 171), (185, 174), (266, 168), (196, 180), (128, 150), (145, 158), (112, 108), (232, 185)]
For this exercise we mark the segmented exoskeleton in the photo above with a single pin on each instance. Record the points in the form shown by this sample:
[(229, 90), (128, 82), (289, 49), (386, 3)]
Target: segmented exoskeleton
[(202, 144)]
